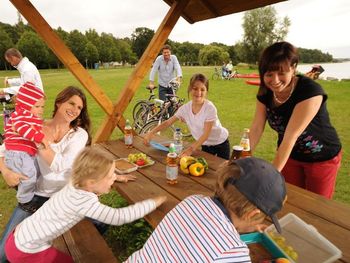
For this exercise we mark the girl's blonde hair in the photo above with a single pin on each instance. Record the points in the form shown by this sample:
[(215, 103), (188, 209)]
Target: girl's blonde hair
[(91, 163), (228, 194)]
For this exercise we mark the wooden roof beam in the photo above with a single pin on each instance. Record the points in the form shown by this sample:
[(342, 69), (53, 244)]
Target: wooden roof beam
[(64, 54), (210, 7), (140, 71)]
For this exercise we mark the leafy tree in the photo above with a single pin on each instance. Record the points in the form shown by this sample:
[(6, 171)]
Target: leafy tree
[(313, 56), (77, 43), (140, 40), (126, 53), (188, 53), (261, 28), (212, 55), (107, 48), (5, 43), (91, 54), (34, 48), (11, 31)]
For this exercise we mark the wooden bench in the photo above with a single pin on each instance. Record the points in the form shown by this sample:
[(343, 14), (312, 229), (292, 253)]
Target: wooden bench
[(85, 244)]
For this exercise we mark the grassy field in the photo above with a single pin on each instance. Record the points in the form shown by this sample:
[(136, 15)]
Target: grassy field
[(234, 99)]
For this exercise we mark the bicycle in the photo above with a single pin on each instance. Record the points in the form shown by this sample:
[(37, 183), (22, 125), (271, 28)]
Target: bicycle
[(167, 110), (219, 74), (7, 109), (156, 110)]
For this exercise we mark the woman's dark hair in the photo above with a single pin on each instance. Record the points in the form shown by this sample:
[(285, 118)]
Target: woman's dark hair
[(83, 120), (274, 58), (197, 77)]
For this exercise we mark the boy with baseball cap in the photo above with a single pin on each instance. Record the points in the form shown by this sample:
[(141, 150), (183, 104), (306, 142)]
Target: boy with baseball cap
[(206, 229), (22, 135)]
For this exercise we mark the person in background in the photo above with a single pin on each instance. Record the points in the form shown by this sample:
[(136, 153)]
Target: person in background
[(229, 67), (22, 135), (207, 229), (308, 147), (200, 115), (27, 70), (93, 174), (168, 67), (67, 133), (224, 72)]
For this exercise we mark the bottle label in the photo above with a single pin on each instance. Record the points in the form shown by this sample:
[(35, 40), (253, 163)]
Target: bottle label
[(171, 172), (128, 139), (245, 144), (178, 148)]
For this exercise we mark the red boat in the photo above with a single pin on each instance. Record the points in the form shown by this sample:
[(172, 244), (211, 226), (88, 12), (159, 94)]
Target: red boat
[(247, 76), (253, 82)]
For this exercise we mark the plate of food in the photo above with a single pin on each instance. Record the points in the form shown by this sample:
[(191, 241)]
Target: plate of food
[(123, 166), (140, 160)]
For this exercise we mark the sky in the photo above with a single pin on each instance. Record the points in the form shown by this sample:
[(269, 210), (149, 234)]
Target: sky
[(315, 24)]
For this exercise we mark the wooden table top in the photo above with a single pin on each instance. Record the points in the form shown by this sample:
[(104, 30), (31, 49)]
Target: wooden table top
[(330, 218)]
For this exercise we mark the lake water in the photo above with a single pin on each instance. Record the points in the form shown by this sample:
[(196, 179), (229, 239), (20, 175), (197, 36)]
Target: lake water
[(334, 70)]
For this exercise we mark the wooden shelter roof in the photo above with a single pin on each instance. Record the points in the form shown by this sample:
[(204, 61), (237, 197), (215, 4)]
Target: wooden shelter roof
[(192, 10), (199, 10)]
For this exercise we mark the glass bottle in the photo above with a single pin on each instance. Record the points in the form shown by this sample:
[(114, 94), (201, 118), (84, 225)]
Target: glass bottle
[(245, 143), (236, 152), (178, 141), (172, 169), (128, 135)]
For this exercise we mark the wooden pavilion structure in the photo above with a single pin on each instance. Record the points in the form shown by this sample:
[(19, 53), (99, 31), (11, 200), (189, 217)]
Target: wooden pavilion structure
[(191, 10)]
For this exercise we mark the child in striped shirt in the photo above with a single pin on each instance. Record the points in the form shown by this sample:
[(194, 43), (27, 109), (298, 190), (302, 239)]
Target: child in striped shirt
[(206, 229), (22, 134), (92, 175)]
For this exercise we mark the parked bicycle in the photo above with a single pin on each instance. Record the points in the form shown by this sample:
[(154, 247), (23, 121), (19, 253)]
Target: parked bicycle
[(150, 113), (219, 74), (7, 108)]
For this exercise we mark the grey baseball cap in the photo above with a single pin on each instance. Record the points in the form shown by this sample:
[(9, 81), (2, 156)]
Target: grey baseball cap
[(262, 185)]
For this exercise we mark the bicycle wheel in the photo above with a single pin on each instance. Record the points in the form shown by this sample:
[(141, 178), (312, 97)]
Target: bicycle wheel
[(137, 108), (215, 76), (167, 133)]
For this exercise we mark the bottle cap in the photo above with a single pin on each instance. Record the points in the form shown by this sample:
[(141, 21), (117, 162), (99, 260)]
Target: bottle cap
[(237, 148), (246, 130), (177, 129), (172, 148)]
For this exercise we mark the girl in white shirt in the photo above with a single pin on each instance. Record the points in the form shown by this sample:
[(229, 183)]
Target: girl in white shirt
[(93, 174), (200, 115)]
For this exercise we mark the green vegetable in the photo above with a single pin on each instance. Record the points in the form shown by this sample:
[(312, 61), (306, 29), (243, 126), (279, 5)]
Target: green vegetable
[(203, 162)]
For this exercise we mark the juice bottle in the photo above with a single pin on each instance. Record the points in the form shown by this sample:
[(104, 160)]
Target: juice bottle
[(128, 136), (236, 152), (245, 143), (172, 169)]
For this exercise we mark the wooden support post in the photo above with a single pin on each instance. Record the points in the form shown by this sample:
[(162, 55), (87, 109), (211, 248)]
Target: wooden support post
[(63, 53), (140, 71)]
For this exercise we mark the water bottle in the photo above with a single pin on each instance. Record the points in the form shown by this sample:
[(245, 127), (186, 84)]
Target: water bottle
[(128, 136), (178, 141), (172, 169)]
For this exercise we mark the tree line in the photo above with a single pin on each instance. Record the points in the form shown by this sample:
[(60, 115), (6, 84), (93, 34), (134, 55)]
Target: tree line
[(261, 28)]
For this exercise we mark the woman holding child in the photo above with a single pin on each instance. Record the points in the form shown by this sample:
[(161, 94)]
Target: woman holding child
[(67, 133)]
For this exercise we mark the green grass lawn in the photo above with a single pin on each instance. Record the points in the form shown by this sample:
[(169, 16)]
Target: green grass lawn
[(234, 99)]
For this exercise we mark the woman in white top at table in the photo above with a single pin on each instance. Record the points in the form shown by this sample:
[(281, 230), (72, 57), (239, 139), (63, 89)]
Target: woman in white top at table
[(68, 133), (200, 115)]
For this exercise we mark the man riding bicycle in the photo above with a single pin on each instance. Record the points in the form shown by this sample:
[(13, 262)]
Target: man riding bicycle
[(166, 64)]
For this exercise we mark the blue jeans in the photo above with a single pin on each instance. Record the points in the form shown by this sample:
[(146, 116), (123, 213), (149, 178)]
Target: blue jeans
[(163, 91), (17, 217)]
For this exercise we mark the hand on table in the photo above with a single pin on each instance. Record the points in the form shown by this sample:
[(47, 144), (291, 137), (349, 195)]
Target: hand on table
[(124, 178), (146, 138)]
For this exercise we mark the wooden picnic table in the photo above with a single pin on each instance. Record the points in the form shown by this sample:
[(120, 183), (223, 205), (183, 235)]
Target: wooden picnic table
[(330, 218)]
